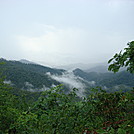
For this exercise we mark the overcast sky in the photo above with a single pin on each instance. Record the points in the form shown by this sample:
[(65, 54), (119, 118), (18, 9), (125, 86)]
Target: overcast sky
[(60, 32)]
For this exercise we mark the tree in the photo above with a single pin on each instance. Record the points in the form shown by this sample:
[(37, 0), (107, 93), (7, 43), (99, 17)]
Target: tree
[(123, 59)]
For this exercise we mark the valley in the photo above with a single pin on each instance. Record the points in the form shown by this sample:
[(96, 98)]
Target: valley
[(32, 77)]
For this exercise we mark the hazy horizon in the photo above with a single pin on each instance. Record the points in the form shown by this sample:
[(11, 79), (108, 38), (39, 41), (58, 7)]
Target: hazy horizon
[(58, 33)]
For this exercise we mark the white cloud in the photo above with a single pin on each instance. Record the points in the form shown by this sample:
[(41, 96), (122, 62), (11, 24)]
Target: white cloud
[(65, 32), (60, 46), (8, 82), (54, 45), (71, 81)]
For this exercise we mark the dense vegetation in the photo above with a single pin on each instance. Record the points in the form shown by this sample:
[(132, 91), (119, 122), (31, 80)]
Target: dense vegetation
[(55, 112), (33, 77), (20, 73), (107, 79), (58, 113), (125, 59)]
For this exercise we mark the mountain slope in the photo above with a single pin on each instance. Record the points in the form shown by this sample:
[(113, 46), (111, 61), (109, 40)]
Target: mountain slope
[(107, 79), (28, 75), (26, 61), (34, 77)]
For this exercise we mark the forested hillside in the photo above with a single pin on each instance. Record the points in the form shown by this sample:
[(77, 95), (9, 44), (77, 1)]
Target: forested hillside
[(33, 77), (25, 75), (107, 79), (56, 112)]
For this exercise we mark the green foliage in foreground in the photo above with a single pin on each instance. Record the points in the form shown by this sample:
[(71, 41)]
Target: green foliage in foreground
[(125, 59), (58, 113)]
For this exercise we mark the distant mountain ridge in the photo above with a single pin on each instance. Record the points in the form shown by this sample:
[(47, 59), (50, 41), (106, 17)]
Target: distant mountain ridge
[(99, 69), (82, 66), (26, 61), (107, 79), (35, 77)]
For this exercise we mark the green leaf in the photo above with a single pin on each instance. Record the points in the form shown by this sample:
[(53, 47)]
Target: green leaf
[(101, 131), (110, 60), (121, 131)]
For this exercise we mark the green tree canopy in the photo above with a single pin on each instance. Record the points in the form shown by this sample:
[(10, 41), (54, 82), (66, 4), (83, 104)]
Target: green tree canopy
[(123, 59)]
